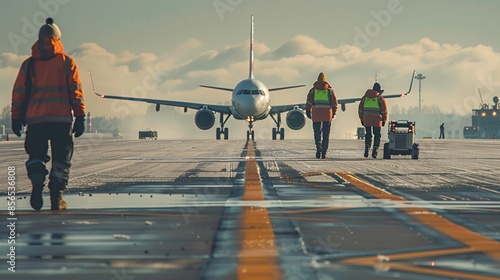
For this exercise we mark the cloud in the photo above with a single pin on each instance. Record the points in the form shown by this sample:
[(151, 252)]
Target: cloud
[(93, 50), (300, 45), (97, 54), (135, 62), (11, 60)]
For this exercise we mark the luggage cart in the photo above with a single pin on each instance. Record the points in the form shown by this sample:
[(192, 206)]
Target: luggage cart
[(401, 140)]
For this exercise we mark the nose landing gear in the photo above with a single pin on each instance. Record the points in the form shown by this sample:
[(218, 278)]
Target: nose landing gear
[(250, 131)]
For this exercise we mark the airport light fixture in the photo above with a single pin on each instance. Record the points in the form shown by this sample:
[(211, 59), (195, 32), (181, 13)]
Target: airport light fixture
[(420, 77)]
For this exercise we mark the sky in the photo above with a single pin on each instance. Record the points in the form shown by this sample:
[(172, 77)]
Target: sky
[(165, 49)]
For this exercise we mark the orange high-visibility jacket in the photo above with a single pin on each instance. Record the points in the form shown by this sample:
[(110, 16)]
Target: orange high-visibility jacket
[(57, 93), (322, 111), (372, 109)]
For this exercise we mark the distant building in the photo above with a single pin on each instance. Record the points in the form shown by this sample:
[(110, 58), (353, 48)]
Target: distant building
[(486, 120)]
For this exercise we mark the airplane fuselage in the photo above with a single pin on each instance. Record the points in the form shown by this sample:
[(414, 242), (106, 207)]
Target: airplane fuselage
[(250, 100)]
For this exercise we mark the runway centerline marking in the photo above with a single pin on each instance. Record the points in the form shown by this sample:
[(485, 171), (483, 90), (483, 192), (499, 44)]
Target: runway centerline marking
[(258, 258)]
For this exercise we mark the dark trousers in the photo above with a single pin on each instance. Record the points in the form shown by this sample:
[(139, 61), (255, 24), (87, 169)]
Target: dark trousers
[(441, 135), (61, 144), (372, 132), (322, 135)]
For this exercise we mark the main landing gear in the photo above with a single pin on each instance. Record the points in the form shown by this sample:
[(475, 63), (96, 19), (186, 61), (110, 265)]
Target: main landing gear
[(278, 129), (222, 130)]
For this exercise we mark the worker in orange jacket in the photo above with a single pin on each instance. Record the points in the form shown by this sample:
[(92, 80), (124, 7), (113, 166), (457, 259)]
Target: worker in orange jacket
[(47, 95), (321, 107), (372, 112)]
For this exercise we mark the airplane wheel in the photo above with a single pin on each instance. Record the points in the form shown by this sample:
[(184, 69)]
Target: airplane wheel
[(226, 133), (282, 134), (217, 133), (274, 133)]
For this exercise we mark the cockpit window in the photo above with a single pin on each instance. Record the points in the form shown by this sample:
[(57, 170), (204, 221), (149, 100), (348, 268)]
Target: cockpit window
[(250, 92)]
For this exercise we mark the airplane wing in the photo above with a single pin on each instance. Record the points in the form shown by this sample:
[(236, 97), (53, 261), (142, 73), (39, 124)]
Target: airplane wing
[(216, 108), (341, 102), (285, 108), (356, 99), (191, 105)]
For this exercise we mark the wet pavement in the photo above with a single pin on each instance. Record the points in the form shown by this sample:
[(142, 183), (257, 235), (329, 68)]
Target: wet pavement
[(263, 210)]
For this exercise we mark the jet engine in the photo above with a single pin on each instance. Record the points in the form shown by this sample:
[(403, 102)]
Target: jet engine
[(204, 119), (295, 119)]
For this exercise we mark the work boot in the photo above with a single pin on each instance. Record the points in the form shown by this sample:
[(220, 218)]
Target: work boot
[(323, 156), (56, 200), (375, 152), (36, 199), (38, 182), (367, 150), (318, 153)]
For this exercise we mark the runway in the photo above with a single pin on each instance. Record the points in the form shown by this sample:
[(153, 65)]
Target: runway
[(258, 210)]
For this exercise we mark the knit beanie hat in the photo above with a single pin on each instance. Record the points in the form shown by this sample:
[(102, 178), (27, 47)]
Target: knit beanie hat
[(321, 77), (49, 29), (377, 87)]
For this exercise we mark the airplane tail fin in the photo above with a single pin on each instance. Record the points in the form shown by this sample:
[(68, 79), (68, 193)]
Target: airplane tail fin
[(251, 74)]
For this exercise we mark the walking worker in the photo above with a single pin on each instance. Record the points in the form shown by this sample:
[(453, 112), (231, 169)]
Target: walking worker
[(372, 112), (321, 107), (441, 131), (47, 95)]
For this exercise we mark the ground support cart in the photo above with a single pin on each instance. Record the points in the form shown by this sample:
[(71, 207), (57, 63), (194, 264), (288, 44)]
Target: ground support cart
[(401, 140)]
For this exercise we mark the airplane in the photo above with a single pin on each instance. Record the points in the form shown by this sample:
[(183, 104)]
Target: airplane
[(250, 102)]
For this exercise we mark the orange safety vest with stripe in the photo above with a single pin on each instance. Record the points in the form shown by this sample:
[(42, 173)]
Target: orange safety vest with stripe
[(57, 93)]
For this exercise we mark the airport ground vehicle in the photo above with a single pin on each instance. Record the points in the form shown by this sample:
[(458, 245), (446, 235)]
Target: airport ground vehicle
[(485, 124), (471, 132), (401, 139), (360, 133), (148, 134)]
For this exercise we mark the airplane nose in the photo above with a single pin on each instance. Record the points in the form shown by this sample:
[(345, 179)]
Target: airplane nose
[(252, 106)]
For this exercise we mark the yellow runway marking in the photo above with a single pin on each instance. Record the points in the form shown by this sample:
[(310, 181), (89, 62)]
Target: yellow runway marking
[(258, 258), (474, 241), (441, 272)]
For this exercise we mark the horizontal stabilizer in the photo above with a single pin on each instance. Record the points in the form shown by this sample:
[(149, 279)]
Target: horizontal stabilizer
[(219, 88), (282, 88)]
